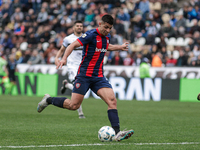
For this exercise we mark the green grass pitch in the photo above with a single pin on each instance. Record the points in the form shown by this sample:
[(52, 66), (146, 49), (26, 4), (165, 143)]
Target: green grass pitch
[(158, 125)]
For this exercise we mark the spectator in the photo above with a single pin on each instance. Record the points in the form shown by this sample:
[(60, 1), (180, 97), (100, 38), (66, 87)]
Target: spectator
[(128, 61), (116, 60), (35, 58), (144, 7), (17, 15), (157, 60), (119, 27), (138, 59), (167, 31), (192, 14), (195, 27), (144, 68), (182, 60), (42, 17), (171, 62)]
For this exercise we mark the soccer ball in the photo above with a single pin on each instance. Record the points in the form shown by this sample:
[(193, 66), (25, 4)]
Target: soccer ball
[(106, 133)]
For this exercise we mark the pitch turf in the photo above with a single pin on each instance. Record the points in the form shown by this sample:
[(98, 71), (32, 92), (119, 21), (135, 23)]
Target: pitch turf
[(157, 125)]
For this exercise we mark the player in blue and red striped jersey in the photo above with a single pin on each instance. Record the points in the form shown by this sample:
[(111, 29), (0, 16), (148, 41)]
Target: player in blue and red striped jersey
[(90, 74)]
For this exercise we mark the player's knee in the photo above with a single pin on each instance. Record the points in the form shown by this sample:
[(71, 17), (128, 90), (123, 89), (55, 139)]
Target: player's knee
[(112, 102), (74, 106)]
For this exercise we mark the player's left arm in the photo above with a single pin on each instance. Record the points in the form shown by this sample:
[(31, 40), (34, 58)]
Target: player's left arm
[(123, 47)]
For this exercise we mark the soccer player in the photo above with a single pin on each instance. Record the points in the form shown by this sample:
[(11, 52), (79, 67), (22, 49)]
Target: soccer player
[(73, 60), (12, 68), (95, 43)]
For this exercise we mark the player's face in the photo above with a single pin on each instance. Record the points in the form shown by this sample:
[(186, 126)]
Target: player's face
[(104, 28), (78, 28)]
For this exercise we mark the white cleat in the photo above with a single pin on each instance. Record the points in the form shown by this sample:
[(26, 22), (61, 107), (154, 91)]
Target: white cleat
[(43, 103), (121, 135), (81, 116)]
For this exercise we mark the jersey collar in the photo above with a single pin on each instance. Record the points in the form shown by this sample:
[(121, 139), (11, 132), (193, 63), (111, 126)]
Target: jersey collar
[(99, 32)]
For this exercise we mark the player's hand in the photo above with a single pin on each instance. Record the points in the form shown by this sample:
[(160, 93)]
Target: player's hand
[(125, 46), (60, 64)]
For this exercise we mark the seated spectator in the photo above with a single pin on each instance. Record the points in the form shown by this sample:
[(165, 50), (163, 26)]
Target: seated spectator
[(125, 18), (171, 61), (42, 17), (138, 59), (182, 60), (192, 14), (35, 58), (167, 31), (171, 6), (119, 27), (138, 24), (89, 17), (128, 61), (117, 59), (157, 60), (144, 7), (17, 13), (196, 51), (198, 61), (195, 27)]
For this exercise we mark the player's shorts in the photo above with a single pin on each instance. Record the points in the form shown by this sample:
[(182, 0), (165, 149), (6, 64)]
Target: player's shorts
[(82, 84)]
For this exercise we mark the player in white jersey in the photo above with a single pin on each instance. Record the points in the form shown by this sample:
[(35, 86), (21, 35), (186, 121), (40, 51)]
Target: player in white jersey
[(73, 60)]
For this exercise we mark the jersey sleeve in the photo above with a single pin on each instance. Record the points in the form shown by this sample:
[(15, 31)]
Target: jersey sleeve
[(65, 42), (85, 38)]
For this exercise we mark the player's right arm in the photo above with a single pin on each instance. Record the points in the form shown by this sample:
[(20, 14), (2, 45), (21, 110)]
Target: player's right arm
[(68, 51), (59, 54)]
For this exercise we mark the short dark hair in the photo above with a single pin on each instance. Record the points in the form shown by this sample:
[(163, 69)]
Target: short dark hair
[(78, 21), (108, 18)]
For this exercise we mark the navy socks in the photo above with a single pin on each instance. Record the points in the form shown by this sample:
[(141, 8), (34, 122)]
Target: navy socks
[(114, 119), (57, 101)]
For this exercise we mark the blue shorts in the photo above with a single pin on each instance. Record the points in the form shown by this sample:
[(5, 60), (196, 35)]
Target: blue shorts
[(82, 84)]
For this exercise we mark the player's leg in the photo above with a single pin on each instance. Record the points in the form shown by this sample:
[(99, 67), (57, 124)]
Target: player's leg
[(107, 94), (76, 99), (67, 85), (61, 102)]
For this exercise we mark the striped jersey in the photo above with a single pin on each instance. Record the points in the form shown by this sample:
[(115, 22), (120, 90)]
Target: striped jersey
[(95, 46), (74, 59)]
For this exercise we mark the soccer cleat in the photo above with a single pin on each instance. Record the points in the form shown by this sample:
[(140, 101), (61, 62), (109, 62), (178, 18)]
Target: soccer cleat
[(81, 116), (121, 135), (63, 88), (43, 103), (198, 96)]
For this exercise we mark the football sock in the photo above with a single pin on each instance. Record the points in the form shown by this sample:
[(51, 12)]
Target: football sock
[(56, 101), (80, 111), (69, 86), (114, 119)]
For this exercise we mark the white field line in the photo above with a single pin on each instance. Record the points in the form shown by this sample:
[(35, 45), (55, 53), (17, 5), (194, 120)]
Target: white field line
[(100, 144)]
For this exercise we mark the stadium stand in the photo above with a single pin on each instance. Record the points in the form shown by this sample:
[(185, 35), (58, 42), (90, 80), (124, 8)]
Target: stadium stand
[(39, 25)]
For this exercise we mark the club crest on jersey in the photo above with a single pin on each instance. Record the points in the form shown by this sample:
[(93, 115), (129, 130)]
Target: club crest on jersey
[(78, 85), (100, 50), (84, 35)]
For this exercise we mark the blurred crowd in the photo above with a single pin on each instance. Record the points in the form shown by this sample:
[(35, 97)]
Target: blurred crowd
[(33, 30)]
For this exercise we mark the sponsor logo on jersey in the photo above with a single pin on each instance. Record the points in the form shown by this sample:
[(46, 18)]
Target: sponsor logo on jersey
[(100, 50), (84, 35), (78, 85)]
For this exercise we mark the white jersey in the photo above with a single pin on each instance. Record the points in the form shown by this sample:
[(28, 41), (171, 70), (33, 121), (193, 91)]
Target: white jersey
[(74, 59)]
